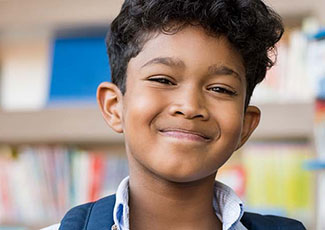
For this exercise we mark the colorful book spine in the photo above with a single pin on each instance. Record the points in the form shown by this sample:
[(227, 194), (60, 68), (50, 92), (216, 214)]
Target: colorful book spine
[(39, 184)]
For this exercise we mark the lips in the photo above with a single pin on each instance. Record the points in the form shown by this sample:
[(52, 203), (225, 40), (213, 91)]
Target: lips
[(185, 134)]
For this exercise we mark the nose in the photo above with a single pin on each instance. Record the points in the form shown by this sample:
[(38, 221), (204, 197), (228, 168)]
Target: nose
[(190, 104)]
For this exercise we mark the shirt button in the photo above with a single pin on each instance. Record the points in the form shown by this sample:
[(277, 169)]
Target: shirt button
[(114, 227)]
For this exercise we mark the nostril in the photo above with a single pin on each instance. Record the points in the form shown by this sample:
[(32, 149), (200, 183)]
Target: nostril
[(189, 112)]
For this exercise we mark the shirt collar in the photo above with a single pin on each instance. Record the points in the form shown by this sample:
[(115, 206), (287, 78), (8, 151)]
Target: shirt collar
[(227, 205), (121, 208)]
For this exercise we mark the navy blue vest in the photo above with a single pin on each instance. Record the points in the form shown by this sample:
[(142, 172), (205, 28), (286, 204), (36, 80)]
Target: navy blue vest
[(99, 216)]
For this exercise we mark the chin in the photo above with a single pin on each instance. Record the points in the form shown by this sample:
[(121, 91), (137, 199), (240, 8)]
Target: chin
[(185, 176)]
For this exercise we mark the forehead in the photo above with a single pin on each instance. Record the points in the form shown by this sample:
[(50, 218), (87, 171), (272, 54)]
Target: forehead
[(191, 45)]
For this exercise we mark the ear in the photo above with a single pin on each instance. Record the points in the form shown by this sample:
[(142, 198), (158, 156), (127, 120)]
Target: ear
[(109, 99), (251, 121)]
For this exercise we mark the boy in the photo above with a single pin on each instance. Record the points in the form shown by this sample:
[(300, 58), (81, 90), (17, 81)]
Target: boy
[(183, 72)]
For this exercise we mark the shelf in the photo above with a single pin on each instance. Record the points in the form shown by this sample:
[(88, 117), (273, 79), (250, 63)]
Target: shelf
[(56, 125), (285, 121), (53, 14), (85, 125), (293, 8)]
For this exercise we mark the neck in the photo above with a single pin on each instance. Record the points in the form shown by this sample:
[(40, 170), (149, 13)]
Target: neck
[(169, 205)]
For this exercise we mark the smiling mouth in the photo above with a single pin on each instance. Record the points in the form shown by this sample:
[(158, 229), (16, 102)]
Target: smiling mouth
[(185, 135)]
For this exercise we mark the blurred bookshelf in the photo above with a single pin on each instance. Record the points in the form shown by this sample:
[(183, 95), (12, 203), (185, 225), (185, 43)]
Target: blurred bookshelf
[(82, 125), (53, 179), (85, 125), (18, 14), (70, 138)]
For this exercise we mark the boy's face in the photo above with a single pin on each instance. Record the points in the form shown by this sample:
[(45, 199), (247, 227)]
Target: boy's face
[(183, 111)]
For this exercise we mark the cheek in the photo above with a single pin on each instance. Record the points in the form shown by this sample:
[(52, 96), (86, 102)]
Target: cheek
[(141, 108), (141, 105), (231, 122)]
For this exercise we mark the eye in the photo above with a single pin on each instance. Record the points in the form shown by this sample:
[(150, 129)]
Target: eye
[(223, 90), (162, 80)]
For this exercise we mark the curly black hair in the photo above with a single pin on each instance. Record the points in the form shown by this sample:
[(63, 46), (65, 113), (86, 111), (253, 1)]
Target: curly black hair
[(251, 27)]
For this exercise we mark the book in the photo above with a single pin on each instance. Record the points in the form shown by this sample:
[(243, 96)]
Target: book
[(79, 65), (270, 177), (39, 184)]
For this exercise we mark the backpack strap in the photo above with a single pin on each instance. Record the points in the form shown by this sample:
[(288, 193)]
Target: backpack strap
[(253, 221), (99, 216), (91, 216)]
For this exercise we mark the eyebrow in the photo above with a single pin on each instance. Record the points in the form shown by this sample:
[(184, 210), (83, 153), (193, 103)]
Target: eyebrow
[(168, 61), (175, 62), (223, 70)]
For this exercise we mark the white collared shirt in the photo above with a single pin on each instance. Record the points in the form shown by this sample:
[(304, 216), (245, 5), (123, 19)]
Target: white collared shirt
[(227, 205)]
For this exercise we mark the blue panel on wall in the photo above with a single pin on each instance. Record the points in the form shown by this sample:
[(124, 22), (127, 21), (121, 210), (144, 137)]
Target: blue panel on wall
[(79, 65)]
